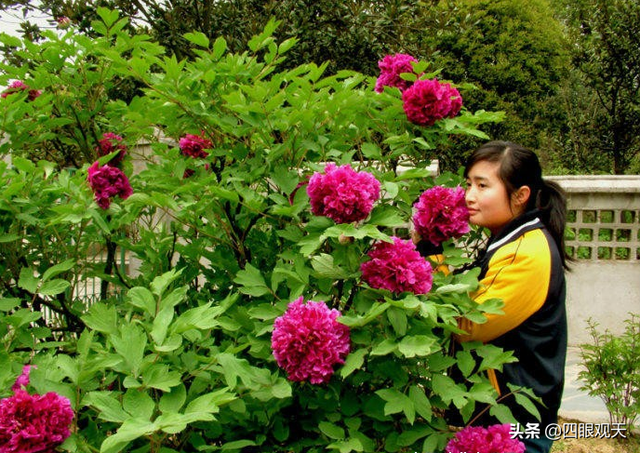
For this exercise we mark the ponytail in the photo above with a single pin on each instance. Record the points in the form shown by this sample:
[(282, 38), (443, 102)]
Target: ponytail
[(551, 201)]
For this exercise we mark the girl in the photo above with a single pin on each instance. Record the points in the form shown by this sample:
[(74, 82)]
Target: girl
[(523, 265)]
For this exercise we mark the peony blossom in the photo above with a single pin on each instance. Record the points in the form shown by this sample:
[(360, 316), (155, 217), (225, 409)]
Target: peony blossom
[(107, 182), (397, 266), (428, 101), (477, 439), (343, 194), (307, 341), (440, 214), (34, 423), (108, 144), (195, 145), (23, 379), (18, 86), (391, 66)]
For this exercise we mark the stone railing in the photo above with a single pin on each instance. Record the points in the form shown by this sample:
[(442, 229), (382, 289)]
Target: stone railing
[(603, 238)]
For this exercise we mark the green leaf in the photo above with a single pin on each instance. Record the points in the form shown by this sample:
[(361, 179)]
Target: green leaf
[(172, 422), (22, 164), (494, 357), (162, 282), (131, 429), (142, 298), (348, 445), (524, 401), (102, 317), (420, 402), (417, 345), (397, 402), (175, 297), (238, 445), (387, 346), (8, 238), (109, 406), (28, 281), (502, 413), (354, 361), (210, 403), (138, 403), (398, 319), (324, 265), (161, 325), (108, 16), (197, 38), (58, 269), (53, 287), (251, 282), (264, 312), (454, 288), (331, 431), (160, 376), (22, 317), (447, 389), (8, 304), (387, 217), (130, 344), (174, 400), (466, 362), (219, 47), (204, 317), (286, 45)]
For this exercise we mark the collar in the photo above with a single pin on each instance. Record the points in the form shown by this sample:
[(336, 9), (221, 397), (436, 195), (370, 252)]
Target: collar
[(521, 224)]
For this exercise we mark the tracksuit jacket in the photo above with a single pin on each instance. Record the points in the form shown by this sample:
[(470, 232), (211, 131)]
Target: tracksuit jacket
[(523, 267)]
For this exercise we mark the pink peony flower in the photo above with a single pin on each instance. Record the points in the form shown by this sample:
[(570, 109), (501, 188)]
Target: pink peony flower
[(391, 66), (107, 182), (108, 144), (33, 423), (397, 267), (342, 194), (18, 86), (307, 341), (23, 379), (195, 145), (477, 439), (440, 214), (428, 101)]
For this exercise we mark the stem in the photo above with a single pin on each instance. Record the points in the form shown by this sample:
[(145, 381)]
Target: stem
[(108, 267)]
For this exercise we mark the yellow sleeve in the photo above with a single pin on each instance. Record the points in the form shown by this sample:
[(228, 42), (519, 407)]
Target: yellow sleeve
[(438, 265), (519, 273)]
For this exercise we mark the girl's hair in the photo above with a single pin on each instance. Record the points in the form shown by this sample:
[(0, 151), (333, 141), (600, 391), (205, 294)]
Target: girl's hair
[(521, 167)]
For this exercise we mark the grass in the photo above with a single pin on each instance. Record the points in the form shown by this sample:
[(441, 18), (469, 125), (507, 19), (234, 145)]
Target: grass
[(596, 445)]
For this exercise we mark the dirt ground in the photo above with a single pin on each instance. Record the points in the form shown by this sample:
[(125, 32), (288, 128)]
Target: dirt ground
[(595, 445)]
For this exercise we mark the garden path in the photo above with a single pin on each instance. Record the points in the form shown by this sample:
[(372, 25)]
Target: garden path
[(578, 404)]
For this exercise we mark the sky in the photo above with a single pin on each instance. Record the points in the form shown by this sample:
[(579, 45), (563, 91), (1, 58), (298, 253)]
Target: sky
[(10, 21)]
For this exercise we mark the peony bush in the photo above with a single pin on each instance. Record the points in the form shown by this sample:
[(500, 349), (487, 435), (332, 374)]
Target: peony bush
[(170, 312)]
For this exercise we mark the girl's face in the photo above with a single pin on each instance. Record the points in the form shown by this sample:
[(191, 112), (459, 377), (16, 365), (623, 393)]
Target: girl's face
[(487, 199)]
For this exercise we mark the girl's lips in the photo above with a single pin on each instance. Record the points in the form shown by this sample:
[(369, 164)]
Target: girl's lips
[(472, 211)]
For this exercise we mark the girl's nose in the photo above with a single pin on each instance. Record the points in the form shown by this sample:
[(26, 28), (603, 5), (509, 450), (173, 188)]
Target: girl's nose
[(469, 194)]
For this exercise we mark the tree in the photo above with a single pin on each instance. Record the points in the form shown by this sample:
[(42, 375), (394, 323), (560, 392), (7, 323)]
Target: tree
[(349, 35), (514, 53), (606, 37)]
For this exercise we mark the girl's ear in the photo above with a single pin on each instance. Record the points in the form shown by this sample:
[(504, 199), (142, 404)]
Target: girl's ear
[(521, 196)]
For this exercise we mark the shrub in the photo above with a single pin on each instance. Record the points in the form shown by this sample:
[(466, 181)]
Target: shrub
[(612, 370), (177, 356)]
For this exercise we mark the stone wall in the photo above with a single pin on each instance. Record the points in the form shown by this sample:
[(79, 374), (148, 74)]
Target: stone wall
[(603, 237)]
